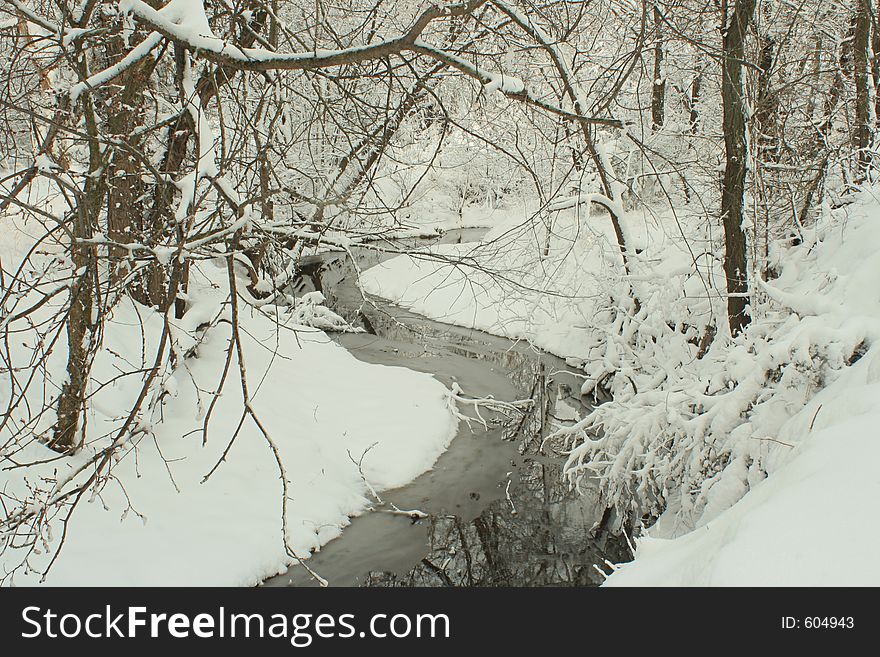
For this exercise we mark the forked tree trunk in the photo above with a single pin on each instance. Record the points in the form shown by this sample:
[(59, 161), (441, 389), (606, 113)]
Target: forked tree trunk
[(120, 193), (733, 189)]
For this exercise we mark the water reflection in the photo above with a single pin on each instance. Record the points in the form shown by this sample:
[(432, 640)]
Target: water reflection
[(524, 527), (541, 533)]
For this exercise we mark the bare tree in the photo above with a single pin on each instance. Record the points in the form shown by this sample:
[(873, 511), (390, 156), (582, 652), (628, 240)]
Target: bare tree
[(733, 33), (863, 134), (239, 139)]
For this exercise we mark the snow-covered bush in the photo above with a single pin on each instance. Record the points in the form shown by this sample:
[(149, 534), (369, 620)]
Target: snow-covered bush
[(309, 310), (693, 434), (697, 417)]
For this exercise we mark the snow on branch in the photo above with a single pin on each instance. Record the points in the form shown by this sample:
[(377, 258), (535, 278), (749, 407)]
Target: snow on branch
[(508, 85), (34, 18), (139, 52), (558, 205), (185, 22), (568, 78), (457, 395), (801, 304)]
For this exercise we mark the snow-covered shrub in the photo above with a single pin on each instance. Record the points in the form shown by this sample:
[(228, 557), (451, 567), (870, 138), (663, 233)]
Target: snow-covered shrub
[(693, 434), (309, 310)]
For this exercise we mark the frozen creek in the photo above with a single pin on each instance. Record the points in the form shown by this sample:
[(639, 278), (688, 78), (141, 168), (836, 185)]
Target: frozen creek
[(499, 513)]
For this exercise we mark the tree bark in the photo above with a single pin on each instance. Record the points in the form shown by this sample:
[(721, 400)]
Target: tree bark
[(81, 324), (733, 189), (864, 128), (696, 85), (83, 317), (658, 86), (124, 107)]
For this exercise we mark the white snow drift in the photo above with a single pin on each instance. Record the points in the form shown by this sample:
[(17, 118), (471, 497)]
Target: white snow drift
[(157, 522)]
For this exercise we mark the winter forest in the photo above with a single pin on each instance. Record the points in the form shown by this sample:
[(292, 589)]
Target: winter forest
[(411, 293)]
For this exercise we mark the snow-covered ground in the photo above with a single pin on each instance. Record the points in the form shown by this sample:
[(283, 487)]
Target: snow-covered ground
[(156, 522), (770, 480), (772, 476), (504, 285), (810, 523)]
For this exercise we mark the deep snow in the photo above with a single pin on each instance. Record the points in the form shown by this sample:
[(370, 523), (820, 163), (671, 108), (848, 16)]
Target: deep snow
[(810, 523), (789, 412), (323, 408)]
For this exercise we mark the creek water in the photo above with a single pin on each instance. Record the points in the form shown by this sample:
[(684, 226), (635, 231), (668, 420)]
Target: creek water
[(498, 510)]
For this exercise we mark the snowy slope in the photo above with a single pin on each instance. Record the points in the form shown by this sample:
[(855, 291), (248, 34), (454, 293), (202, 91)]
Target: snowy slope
[(508, 285), (156, 522), (811, 521)]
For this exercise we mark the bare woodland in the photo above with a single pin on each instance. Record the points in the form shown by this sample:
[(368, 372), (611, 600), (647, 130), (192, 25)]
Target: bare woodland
[(248, 132)]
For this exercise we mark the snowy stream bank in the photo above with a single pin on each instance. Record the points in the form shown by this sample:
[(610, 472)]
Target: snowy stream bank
[(497, 510)]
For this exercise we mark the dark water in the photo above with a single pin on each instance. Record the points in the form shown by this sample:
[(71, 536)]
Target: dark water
[(499, 513)]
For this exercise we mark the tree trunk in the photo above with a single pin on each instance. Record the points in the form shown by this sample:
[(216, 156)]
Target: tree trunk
[(875, 63), (733, 190), (696, 85), (766, 104), (83, 318), (658, 87), (69, 425), (124, 108), (864, 128)]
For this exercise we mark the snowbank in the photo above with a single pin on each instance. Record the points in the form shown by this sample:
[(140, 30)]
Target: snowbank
[(815, 431), (155, 521), (534, 280), (500, 285), (759, 450), (809, 524)]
